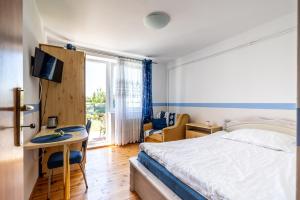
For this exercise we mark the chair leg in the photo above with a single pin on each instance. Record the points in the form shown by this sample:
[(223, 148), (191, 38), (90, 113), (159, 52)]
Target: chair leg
[(52, 176), (84, 177), (49, 182)]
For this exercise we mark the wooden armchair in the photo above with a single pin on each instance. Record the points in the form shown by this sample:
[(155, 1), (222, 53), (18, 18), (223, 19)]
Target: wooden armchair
[(171, 133)]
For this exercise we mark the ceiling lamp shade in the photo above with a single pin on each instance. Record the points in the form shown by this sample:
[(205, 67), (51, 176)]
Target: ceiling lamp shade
[(156, 20)]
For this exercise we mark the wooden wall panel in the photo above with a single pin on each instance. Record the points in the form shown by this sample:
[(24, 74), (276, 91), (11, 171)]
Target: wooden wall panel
[(66, 99)]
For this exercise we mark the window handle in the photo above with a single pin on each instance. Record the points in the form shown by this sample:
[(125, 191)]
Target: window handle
[(32, 125), (26, 108)]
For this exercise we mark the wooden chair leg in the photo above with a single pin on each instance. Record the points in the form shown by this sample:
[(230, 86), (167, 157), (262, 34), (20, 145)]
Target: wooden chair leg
[(84, 177), (52, 176), (49, 182)]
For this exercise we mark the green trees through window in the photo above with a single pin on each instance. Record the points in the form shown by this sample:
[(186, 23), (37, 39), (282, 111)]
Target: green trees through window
[(95, 107)]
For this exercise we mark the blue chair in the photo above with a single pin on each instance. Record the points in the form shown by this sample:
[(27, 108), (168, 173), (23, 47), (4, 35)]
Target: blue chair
[(56, 159)]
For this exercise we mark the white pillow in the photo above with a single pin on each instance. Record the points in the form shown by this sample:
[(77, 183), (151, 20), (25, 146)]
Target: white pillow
[(264, 138)]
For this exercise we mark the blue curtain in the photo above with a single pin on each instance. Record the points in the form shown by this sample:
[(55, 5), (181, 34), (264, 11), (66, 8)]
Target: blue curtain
[(147, 113)]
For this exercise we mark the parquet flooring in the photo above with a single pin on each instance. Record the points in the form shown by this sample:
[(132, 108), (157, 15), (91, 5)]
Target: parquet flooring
[(107, 172)]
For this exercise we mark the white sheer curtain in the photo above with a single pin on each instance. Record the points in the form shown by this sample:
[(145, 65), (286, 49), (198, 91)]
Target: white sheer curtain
[(128, 101)]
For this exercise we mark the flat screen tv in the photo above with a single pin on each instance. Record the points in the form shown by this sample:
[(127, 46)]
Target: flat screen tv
[(46, 66)]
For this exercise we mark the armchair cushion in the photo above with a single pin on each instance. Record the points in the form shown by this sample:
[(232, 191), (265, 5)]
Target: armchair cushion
[(151, 132), (161, 114), (159, 124), (169, 116), (171, 119)]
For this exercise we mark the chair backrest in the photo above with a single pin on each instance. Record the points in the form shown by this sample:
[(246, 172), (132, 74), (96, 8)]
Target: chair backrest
[(88, 128), (88, 125)]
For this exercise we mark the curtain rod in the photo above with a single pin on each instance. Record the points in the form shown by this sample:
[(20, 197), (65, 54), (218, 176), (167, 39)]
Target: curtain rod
[(104, 53)]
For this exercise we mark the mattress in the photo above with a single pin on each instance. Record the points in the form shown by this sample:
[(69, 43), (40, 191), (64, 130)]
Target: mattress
[(182, 190), (218, 168)]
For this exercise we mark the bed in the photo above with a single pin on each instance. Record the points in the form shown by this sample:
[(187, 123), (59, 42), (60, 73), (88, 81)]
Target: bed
[(220, 166)]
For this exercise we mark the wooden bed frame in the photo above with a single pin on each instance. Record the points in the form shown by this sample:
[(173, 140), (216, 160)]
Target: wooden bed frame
[(149, 187)]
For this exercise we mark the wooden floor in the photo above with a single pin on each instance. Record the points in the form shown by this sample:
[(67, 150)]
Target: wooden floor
[(107, 172)]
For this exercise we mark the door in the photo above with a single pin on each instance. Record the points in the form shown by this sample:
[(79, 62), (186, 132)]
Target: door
[(99, 104), (96, 96), (11, 74)]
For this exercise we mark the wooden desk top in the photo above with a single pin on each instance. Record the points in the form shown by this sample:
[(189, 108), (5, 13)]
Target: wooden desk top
[(77, 137), (204, 126)]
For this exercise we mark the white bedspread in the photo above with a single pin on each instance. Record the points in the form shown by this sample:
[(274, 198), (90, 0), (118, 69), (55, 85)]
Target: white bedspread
[(218, 168)]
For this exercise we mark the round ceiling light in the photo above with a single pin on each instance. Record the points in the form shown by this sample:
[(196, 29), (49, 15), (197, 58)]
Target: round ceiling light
[(156, 20)]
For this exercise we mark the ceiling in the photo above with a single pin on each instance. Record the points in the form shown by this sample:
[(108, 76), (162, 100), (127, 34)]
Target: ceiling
[(118, 24)]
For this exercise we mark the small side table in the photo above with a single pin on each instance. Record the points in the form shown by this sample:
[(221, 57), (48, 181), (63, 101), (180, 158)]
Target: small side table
[(194, 130)]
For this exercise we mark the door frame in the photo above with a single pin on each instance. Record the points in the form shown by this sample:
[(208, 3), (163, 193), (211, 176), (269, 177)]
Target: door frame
[(109, 101)]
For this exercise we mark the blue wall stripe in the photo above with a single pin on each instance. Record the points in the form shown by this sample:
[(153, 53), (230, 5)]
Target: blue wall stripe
[(35, 109), (273, 106), (160, 104)]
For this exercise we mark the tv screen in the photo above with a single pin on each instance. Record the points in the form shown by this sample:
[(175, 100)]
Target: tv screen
[(47, 67)]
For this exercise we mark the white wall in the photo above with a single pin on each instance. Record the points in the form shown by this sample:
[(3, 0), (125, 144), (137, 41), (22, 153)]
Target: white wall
[(258, 66), (159, 87), (33, 34)]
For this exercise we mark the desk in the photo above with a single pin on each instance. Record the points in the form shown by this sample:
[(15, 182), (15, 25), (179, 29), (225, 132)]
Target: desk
[(77, 137)]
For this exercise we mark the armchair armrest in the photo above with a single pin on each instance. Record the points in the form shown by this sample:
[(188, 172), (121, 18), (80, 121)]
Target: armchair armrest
[(176, 132), (148, 126), (173, 133)]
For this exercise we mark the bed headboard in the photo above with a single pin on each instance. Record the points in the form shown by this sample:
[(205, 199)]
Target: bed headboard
[(280, 125)]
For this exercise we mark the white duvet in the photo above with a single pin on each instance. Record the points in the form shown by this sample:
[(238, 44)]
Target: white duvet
[(219, 168)]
